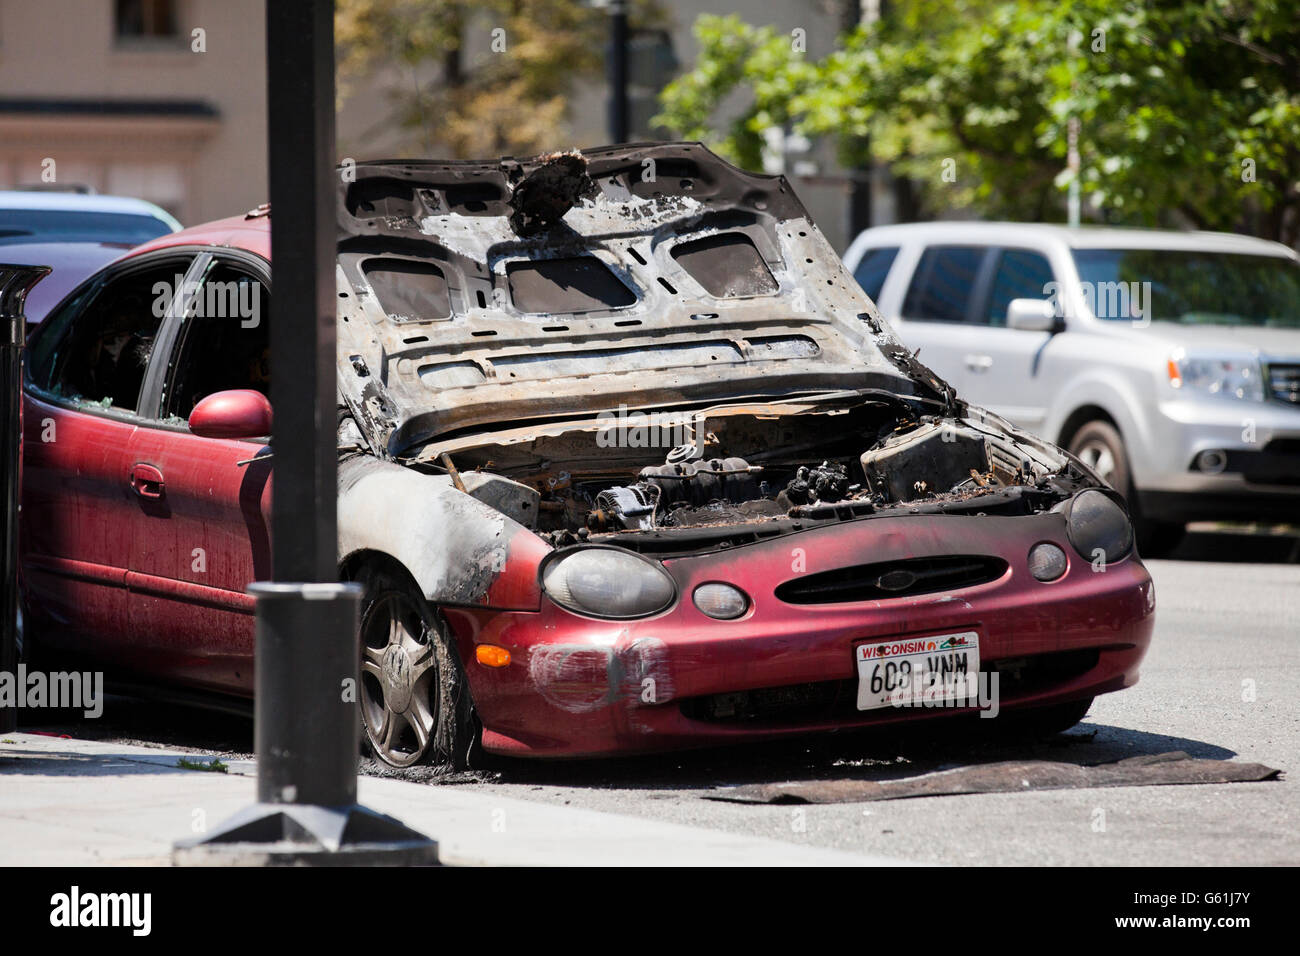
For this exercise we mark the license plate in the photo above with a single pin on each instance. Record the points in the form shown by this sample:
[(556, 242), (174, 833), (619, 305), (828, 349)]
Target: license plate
[(915, 669)]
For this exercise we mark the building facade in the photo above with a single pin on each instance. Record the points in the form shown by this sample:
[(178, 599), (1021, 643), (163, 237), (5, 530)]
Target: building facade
[(166, 100)]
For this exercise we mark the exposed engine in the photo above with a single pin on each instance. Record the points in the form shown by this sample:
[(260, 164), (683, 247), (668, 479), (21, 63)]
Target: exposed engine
[(741, 469)]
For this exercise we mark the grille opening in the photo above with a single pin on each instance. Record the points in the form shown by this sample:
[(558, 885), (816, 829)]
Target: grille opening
[(1283, 381), (892, 579)]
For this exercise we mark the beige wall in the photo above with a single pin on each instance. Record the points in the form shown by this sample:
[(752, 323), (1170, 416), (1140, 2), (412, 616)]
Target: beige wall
[(206, 168), (200, 168)]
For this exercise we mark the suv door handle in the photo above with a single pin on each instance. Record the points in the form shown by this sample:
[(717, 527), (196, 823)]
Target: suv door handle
[(979, 363), (146, 481)]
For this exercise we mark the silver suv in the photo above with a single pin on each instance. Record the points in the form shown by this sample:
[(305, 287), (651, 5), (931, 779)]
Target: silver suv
[(1169, 362)]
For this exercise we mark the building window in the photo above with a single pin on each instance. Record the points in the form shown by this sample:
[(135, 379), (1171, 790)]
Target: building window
[(146, 20)]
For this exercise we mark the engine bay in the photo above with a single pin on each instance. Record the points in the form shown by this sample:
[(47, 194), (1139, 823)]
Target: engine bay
[(733, 467)]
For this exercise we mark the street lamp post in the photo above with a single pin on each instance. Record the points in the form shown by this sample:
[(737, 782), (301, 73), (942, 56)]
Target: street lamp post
[(307, 725), (618, 72)]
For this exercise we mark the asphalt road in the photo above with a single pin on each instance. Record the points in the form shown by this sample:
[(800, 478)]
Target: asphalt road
[(1219, 683)]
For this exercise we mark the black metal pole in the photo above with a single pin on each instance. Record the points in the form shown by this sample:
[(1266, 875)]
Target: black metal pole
[(307, 724), (300, 108), (618, 72), (15, 283)]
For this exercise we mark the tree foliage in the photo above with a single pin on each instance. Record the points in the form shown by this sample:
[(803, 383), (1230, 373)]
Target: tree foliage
[(504, 70), (1189, 112)]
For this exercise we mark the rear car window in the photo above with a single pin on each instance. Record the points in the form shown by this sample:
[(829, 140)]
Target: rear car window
[(61, 225), (1020, 275), (873, 269), (942, 284)]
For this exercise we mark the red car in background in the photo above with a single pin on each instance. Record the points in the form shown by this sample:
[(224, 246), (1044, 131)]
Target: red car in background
[(627, 462)]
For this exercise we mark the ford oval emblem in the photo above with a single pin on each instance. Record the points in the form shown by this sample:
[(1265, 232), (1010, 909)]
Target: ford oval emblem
[(897, 580)]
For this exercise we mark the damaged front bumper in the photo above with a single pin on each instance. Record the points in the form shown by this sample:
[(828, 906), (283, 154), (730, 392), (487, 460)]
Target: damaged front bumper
[(581, 686)]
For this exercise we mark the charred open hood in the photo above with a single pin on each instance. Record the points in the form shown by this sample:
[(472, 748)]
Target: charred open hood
[(476, 295)]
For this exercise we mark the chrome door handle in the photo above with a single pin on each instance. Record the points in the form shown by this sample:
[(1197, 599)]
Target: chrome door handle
[(979, 363)]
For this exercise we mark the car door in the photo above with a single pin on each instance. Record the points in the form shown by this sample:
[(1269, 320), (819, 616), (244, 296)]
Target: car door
[(1006, 372), (204, 536), (938, 314), (85, 372)]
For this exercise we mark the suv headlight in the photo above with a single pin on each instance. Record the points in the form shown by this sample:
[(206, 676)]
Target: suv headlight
[(1097, 522), (1219, 376), (607, 582)]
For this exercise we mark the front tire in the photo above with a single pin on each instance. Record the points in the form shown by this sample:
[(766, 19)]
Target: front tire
[(415, 703)]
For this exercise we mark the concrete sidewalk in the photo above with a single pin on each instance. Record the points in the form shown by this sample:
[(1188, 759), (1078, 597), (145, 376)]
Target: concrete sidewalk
[(84, 803)]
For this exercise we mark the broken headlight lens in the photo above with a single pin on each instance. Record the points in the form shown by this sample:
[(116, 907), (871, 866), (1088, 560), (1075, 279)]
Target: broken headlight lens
[(1097, 523), (608, 582)]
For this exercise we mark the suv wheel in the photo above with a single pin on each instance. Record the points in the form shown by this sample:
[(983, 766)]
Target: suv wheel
[(1099, 446)]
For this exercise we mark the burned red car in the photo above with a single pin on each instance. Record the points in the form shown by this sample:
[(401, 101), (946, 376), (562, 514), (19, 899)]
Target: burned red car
[(627, 462)]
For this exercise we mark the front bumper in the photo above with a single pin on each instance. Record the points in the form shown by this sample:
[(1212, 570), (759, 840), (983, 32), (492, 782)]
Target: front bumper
[(1261, 477), (578, 686)]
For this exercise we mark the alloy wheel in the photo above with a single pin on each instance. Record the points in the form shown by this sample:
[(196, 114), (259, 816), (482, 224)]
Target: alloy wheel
[(399, 679), (1096, 455)]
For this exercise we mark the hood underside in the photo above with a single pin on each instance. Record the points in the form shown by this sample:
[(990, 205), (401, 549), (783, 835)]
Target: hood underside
[(475, 294)]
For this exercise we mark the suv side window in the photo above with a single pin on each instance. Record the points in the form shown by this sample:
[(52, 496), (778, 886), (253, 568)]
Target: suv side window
[(943, 283), (873, 268), (1020, 274), (96, 349)]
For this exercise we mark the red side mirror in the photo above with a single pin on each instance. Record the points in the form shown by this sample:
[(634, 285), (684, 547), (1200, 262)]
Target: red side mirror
[(237, 413)]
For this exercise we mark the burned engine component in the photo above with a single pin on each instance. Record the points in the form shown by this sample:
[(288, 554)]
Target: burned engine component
[(632, 507), (700, 482), (828, 481), (663, 488), (933, 458)]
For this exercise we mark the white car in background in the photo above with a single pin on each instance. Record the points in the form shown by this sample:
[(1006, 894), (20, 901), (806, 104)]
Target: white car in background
[(75, 233), (1169, 362)]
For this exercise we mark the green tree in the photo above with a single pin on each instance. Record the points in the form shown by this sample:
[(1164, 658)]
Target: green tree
[(1189, 113), (505, 69)]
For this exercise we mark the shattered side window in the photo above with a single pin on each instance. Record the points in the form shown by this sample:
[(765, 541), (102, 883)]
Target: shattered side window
[(98, 355), (409, 291), (576, 284), (726, 265)]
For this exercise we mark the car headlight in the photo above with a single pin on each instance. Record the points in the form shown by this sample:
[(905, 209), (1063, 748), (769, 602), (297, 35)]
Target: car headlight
[(608, 582), (1096, 522), (1218, 376)]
